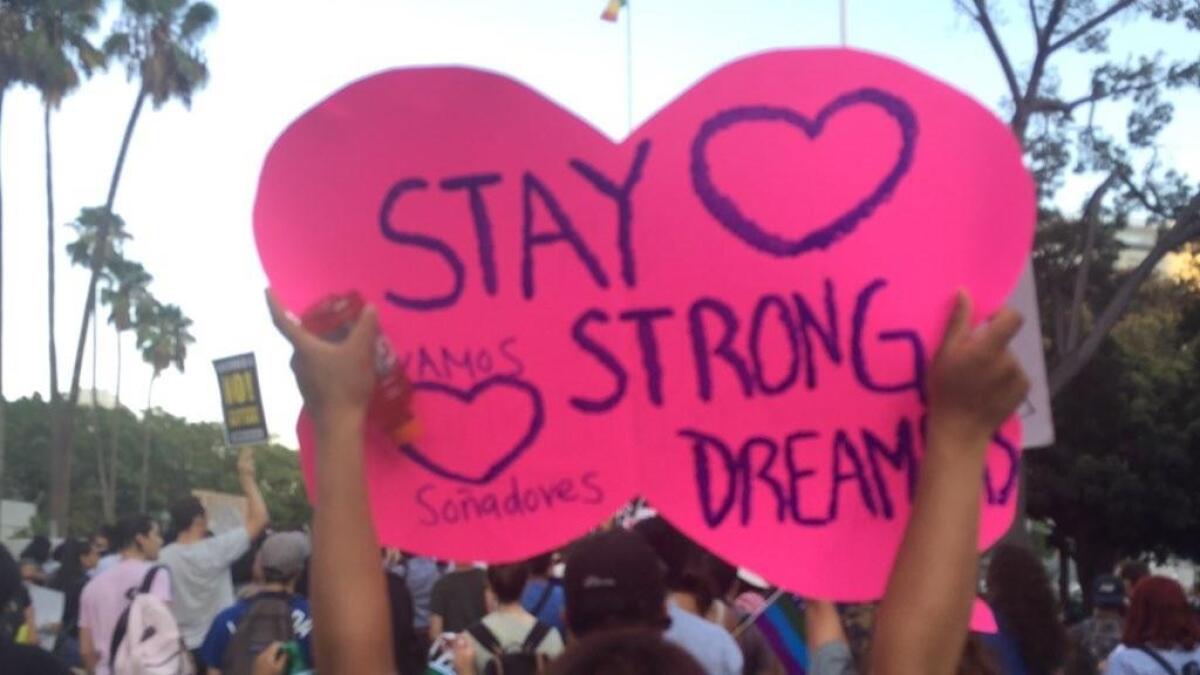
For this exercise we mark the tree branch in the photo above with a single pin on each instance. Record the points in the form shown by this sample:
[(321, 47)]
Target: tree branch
[(1033, 17), (1091, 221), (1154, 207), (1089, 25), (1054, 105), (1186, 228), (989, 30)]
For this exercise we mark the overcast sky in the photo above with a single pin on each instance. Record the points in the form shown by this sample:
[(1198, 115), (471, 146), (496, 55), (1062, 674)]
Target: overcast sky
[(190, 179)]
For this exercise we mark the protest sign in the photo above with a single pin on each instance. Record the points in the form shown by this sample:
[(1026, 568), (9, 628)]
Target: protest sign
[(241, 400), (225, 511), (730, 312)]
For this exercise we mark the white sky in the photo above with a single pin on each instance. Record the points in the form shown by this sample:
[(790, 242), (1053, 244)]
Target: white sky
[(190, 178)]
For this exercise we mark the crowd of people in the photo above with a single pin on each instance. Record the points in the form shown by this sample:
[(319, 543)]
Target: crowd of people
[(637, 596)]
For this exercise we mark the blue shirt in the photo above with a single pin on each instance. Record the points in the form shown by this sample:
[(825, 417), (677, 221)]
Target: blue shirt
[(552, 609), (711, 645), (225, 625)]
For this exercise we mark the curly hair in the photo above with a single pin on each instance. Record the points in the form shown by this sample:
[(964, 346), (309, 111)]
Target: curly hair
[(1019, 591)]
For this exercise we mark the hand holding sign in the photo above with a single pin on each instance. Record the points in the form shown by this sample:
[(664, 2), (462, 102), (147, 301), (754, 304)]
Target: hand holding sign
[(730, 312)]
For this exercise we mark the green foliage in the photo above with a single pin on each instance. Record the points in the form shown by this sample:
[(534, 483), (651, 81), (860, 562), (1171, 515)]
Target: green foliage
[(1123, 477), (158, 40), (183, 456)]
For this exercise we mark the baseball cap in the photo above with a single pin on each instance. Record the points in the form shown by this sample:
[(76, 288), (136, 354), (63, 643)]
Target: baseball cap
[(1108, 591), (614, 579), (284, 554)]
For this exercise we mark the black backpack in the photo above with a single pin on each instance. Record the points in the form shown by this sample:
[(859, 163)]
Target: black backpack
[(524, 661), (268, 620)]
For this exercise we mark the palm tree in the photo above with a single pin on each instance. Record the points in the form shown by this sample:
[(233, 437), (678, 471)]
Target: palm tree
[(83, 252), (58, 51), (14, 30), (127, 291), (163, 336), (158, 40)]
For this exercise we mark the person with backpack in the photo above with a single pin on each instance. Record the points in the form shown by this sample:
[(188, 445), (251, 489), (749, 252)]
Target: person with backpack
[(509, 640), (200, 564), (1162, 635), (543, 595), (241, 632), (108, 596)]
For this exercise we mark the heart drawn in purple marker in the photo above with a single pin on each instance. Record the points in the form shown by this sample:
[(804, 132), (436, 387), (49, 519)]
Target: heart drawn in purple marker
[(500, 458)]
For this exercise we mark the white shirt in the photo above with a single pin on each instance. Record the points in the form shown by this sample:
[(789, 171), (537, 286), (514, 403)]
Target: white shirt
[(200, 583)]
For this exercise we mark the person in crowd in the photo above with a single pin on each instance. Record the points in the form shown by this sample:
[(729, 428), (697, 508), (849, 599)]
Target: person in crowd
[(975, 384), (1131, 572), (757, 656), (106, 596), (409, 645), (17, 659), (457, 600), (1161, 635), (280, 561), (629, 651), (543, 595), (109, 555), (828, 649), (1031, 639), (201, 583), (420, 573), (16, 613), (79, 558), (35, 557), (690, 594), (614, 580), (1100, 633), (509, 624)]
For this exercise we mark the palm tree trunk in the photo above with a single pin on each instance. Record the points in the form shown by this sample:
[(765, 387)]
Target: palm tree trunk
[(97, 435), (52, 331), (60, 466), (146, 446), (111, 503), (3, 88), (50, 255)]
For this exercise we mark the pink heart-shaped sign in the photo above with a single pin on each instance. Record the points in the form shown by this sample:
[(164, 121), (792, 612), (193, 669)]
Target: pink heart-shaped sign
[(731, 312)]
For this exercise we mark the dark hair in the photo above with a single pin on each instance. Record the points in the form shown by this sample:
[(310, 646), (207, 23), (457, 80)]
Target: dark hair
[(1133, 571), (10, 577), (1020, 593), (1159, 616), (38, 550), (183, 513), (407, 647), (636, 651), (71, 570), (688, 569), (539, 566), (508, 581), (129, 528), (613, 580)]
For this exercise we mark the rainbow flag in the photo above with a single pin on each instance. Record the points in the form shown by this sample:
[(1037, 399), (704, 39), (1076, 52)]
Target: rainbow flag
[(782, 624), (613, 10)]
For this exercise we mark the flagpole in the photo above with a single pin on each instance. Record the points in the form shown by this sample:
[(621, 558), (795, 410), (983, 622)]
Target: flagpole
[(629, 67), (842, 20)]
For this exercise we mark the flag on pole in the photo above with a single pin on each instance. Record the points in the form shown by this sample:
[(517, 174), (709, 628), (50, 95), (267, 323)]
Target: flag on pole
[(613, 10), (782, 624)]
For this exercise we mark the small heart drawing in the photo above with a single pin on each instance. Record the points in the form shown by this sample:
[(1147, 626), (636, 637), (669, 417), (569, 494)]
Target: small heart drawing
[(501, 457), (726, 211)]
